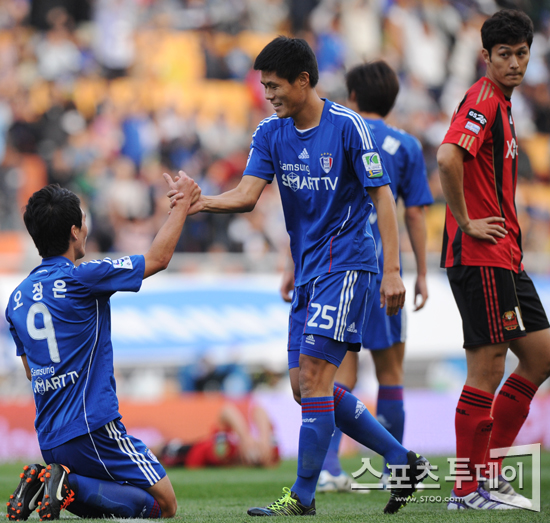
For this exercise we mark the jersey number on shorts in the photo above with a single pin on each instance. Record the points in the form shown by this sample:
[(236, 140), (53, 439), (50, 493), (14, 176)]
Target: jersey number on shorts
[(44, 333), (325, 315)]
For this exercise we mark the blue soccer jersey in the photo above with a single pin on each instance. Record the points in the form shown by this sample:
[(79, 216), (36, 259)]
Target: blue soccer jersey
[(402, 158), (322, 175), (59, 317)]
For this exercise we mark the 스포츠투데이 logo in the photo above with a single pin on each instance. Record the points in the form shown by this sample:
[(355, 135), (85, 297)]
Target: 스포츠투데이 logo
[(373, 165)]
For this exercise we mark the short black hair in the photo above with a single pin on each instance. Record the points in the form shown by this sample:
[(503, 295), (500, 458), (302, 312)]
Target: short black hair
[(49, 215), (507, 26), (287, 58), (375, 85)]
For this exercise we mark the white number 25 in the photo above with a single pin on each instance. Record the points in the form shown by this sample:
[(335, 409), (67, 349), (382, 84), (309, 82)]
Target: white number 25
[(325, 315)]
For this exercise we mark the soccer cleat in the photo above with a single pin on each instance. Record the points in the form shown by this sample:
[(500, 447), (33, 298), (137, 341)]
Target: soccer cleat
[(287, 505), (25, 498), (505, 492), (57, 492), (404, 486), (479, 499), (329, 483)]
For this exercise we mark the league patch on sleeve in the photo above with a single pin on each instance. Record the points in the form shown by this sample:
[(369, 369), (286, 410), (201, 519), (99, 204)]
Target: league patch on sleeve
[(471, 126), (477, 117), (373, 165), (123, 263)]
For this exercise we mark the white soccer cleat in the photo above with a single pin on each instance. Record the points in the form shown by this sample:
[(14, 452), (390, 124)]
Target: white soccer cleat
[(329, 483), (479, 499), (506, 493)]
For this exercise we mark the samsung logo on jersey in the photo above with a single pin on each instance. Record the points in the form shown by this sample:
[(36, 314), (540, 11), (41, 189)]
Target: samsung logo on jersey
[(477, 117), (294, 167), (45, 371), (296, 182), (41, 386)]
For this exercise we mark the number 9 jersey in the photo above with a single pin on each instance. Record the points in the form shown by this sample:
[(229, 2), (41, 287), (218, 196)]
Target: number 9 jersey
[(60, 319)]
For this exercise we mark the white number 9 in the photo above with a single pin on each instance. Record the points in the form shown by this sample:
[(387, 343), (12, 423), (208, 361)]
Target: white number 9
[(45, 333)]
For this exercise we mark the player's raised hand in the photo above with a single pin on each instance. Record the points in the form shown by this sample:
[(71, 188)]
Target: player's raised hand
[(392, 293), (488, 229)]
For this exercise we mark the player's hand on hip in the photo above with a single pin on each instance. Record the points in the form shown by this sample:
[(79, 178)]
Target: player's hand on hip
[(488, 229), (420, 289), (392, 293)]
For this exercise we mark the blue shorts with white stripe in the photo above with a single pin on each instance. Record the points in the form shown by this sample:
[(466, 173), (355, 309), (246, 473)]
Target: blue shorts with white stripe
[(333, 306), (109, 453)]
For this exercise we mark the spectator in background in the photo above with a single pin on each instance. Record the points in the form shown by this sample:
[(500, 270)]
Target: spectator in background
[(243, 435)]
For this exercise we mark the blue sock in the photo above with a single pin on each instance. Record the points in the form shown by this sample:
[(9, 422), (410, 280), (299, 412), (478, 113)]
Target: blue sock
[(390, 412), (353, 419), (332, 462), (315, 435), (98, 498)]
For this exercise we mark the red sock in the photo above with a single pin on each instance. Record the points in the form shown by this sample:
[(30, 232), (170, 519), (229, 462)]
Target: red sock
[(510, 411), (473, 424)]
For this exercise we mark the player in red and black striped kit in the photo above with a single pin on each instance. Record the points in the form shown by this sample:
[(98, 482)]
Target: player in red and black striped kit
[(482, 253)]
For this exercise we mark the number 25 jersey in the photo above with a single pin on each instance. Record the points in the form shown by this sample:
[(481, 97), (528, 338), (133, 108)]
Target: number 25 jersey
[(322, 175)]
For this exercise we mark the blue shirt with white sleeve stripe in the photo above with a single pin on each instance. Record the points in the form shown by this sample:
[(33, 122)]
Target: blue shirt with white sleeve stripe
[(322, 175), (60, 319)]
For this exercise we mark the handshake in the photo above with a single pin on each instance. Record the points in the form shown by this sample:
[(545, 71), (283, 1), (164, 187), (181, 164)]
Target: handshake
[(183, 191)]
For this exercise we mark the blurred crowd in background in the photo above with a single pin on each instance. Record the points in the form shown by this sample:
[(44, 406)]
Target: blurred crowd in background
[(102, 96)]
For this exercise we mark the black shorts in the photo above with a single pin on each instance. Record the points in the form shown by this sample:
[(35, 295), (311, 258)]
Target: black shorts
[(496, 305)]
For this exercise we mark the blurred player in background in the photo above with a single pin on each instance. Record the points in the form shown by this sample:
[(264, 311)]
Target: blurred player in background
[(372, 90), (59, 317), (327, 164), (482, 252), (243, 435)]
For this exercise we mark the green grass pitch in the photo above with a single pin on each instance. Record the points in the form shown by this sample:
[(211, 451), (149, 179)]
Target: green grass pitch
[(225, 494)]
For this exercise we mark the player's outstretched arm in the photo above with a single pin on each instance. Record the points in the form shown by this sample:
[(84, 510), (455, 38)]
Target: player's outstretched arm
[(392, 289), (450, 160), (160, 253), (242, 198), (415, 221)]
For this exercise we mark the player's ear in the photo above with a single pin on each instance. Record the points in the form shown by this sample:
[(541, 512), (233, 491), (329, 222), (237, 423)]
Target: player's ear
[(486, 56), (303, 79), (74, 232)]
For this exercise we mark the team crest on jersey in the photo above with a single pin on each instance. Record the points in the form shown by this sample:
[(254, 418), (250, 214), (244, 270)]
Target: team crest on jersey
[(510, 321), (373, 165), (123, 263), (326, 162)]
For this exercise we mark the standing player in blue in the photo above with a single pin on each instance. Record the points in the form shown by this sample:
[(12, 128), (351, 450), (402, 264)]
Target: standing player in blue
[(327, 164), (59, 317), (372, 90)]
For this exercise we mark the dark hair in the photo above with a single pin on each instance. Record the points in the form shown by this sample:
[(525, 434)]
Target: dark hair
[(375, 86), (287, 58), (49, 215), (508, 26)]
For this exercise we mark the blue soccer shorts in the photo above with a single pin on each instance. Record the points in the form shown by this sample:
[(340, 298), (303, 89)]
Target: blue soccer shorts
[(331, 306), (109, 453), (381, 331)]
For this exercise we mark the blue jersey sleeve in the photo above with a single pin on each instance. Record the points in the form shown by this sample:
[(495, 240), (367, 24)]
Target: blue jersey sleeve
[(414, 188), (109, 276), (365, 157), (260, 162), (18, 343)]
